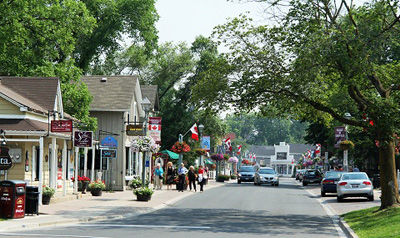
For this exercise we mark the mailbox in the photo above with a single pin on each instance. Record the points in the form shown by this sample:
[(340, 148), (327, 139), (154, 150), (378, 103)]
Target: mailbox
[(12, 199)]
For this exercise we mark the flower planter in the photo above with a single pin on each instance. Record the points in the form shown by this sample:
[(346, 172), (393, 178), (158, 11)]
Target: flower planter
[(84, 186), (141, 197), (96, 192), (46, 200)]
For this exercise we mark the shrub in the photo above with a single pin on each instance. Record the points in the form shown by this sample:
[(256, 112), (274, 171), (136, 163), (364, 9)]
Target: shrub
[(233, 176), (222, 178)]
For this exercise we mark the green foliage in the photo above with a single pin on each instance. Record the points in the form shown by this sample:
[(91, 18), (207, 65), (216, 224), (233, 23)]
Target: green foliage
[(222, 178), (98, 184), (47, 191), (143, 191), (135, 183)]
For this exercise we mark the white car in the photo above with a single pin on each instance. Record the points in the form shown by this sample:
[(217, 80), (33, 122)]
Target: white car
[(266, 176), (356, 184)]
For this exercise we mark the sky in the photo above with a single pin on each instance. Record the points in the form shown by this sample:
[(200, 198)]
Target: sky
[(183, 20)]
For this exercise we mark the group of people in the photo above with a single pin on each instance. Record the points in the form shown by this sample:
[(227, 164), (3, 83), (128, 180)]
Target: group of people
[(200, 176)]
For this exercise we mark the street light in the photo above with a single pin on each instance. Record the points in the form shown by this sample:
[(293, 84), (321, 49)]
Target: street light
[(201, 128), (146, 104), (346, 152)]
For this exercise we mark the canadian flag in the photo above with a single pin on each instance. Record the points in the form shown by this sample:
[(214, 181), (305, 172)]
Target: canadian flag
[(195, 132), (318, 149), (308, 154), (228, 143), (239, 149)]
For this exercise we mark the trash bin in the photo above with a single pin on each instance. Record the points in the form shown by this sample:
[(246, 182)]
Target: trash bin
[(32, 200), (12, 199)]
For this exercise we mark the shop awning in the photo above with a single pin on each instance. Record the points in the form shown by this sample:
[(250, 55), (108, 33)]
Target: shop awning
[(208, 161), (171, 154)]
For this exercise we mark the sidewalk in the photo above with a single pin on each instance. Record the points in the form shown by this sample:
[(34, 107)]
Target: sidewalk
[(114, 205)]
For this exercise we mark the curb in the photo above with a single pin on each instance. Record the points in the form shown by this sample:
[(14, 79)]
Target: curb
[(97, 218), (346, 229)]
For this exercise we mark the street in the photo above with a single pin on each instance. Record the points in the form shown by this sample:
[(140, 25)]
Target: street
[(233, 210)]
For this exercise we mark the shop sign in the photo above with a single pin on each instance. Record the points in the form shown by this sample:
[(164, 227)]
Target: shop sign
[(61, 126), (83, 138), (134, 130), (109, 141), (106, 153), (340, 135), (155, 120), (5, 159)]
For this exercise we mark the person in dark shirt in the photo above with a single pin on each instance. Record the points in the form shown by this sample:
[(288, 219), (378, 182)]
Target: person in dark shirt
[(192, 178)]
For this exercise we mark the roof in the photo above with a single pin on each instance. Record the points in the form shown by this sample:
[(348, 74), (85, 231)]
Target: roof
[(262, 150), (22, 125), (115, 94), (151, 92), (34, 92), (300, 148)]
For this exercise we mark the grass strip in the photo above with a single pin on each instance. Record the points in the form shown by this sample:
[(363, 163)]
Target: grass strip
[(374, 223)]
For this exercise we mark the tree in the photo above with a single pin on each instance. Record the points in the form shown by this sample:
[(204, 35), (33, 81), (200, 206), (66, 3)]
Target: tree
[(38, 38), (117, 21), (322, 59)]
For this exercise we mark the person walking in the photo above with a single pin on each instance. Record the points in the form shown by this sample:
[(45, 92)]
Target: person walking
[(182, 171), (170, 175), (158, 176), (192, 178), (201, 177)]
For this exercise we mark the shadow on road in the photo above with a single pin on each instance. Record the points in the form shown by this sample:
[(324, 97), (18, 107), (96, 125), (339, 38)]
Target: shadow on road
[(233, 221)]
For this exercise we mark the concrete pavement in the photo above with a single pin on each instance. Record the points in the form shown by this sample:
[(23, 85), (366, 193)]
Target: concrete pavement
[(107, 207)]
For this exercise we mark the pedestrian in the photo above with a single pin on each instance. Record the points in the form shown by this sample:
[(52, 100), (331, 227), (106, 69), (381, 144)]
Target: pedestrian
[(170, 175), (205, 176), (158, 176), (192, 178), (201, 177), (356, 169), (182, 171)]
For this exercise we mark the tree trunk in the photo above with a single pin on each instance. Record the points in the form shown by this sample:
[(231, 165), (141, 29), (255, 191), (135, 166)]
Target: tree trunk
[(389, 186)]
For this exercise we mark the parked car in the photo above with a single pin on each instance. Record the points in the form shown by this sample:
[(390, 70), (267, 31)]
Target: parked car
[(299, 173), (266, 175), (356, 184), (329, 182), (311, 176), (246, 174)]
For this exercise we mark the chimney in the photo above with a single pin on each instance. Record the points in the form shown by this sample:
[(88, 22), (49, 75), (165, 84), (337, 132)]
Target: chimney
[(103, 80)]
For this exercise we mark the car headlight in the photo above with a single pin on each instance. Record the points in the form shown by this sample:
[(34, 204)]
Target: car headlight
[(276, 178), (239, 175)]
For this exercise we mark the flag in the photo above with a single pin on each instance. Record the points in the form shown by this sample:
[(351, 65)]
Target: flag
[(308, 154), (228, 143), (239, 149), (195, 132), (318, 149)]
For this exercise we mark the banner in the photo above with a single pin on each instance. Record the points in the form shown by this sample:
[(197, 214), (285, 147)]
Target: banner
[(155, 129), (340, 135), (206, 142)]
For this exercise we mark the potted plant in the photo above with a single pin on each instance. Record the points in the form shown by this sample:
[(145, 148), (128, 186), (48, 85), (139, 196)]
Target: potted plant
[(135, 184), (346, 145), (97, 187), (201, 152), (143, 193), (180, 147), (83, 183), (47, 194)]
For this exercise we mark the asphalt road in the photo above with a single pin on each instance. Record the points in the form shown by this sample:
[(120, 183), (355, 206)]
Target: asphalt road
[(233, 210)]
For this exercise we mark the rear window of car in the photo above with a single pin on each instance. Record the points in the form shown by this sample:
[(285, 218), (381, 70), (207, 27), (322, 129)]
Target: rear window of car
[(311, 172), (354, 176), (247, 169), (267, 171), (333, 174)]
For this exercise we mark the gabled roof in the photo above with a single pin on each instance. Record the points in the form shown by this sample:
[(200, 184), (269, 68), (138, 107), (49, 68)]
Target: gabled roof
[(114, 94), (300, 148), (151, 92), (22, 125), (34, 92), (261, 150)]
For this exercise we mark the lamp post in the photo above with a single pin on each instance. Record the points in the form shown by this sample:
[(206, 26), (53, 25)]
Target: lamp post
[(146, 104), (346, 152), (201, 128)]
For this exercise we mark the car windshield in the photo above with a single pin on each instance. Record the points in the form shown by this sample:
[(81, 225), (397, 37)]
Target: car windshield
[(311, 172), (354, 176), (247, 169), (333, 174), (267, 171)]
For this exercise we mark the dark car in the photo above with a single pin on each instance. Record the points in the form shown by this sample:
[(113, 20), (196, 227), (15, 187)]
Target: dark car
[(329, 183), (299, 174), (246, 174), (312, 176)]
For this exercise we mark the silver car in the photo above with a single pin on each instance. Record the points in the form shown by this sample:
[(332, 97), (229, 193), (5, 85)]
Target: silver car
[(354, 185), (266, 175)]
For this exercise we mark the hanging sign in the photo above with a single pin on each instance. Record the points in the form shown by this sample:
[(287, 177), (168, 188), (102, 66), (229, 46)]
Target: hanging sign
[(61, 126), (5, 159), (111, 154), (83, 138), (109, 142), (206, 143), (134, 130), (340, 135)]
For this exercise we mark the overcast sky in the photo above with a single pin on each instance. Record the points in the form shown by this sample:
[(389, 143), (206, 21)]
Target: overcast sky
[(183, 20)]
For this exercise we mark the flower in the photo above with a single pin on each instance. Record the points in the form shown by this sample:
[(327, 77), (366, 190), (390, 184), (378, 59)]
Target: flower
[(217, 157), (233, 159), (145, 144), (81, 178), (47, 191), (180, 147), (201, 152), (143, 191), (245, 161), (98, 184)]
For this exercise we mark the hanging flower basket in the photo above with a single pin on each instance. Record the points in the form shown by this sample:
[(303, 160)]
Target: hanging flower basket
[(346, 145), (245, 161), (145, 144), (233, 160), (201, 151), (217, 157), (226, 157), (180, 147)]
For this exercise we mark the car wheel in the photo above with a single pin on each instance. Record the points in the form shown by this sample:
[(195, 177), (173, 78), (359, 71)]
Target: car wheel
[(371, 198), (255, 183), (277, 184), (339, 198), (323, 194), (304, 183), (239, 182)]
